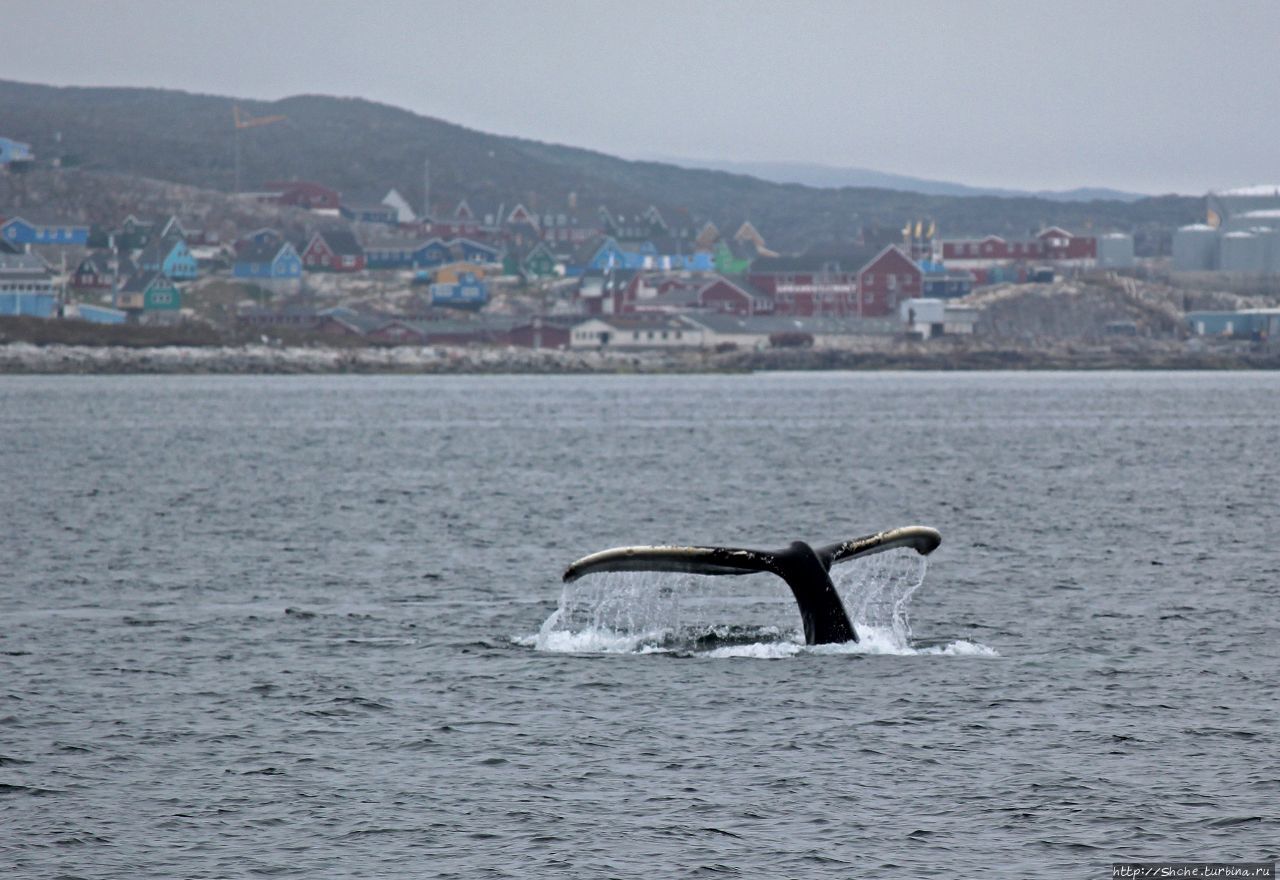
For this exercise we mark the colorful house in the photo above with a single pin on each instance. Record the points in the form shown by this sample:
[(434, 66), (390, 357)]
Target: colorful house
[(16, 230), (474, 251), (169, 255), (268, 262), (733, 257), (947, 283), (149, 292), (94, 314), (14, 151), (405, 253), (812, 284), (886, 281), (260, 238), (533, 260), (734, 297), (26, 286), (301, 194), (335, 250), (134, 233), (468, 291), (102, 270)]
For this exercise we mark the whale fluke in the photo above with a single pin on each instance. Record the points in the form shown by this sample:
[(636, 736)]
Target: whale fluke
[(805, 570)]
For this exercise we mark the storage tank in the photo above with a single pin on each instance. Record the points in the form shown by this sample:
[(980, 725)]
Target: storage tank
[(1271, 251), (1243, 252), (1195, 248), (1249, 220), (1115, 251)]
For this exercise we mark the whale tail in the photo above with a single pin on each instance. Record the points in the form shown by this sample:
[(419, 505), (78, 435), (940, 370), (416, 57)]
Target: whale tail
[(805, 570)]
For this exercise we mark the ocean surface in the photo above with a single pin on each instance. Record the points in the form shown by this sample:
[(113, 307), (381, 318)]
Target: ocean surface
[(314, 626)]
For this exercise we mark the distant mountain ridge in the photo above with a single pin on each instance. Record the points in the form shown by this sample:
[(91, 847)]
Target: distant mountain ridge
[(361, 147), (837, 177)]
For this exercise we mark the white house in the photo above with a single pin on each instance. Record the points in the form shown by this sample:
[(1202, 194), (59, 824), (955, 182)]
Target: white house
[(937, 317), (636, 332)]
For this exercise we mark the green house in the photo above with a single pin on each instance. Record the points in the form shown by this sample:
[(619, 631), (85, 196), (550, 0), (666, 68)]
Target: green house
[(531, 261), (732, 260), (149, 292)]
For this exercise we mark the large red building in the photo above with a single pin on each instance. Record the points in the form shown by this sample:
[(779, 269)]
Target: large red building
[(1051, 245), (301, 194), (887, 280), (830, 290)]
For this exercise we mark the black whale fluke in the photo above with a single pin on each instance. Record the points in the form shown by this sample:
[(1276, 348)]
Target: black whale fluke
[(805, 569)]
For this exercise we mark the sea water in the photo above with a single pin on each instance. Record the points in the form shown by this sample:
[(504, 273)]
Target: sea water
[(314, 626)]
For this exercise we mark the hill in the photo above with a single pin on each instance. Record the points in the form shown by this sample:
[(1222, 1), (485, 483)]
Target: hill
[(362, 148), (834, 177)]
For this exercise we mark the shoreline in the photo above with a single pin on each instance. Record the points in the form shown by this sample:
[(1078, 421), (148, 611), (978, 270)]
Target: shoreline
[(21, 358)]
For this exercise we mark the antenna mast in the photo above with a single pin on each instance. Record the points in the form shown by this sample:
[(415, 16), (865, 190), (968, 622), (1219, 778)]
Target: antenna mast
[(426, 189)]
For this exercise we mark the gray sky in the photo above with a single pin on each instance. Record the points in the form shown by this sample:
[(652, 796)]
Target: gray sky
[(1146, 96)]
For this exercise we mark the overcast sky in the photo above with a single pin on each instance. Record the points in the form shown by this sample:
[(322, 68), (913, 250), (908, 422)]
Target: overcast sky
[(1146, 96)]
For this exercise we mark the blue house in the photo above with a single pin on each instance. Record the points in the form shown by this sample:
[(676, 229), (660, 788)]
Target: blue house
[(26, 286), (96, 314), (20, 231), (606, 255), (432, 253), (473, 251), (942, 283), (407, 253), (268, 262), (469, 293), (396, 253), (171, 256), (14, 151), (1256, 324)]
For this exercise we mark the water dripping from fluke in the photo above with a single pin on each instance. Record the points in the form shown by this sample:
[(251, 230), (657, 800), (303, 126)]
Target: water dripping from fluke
[(623, 607)]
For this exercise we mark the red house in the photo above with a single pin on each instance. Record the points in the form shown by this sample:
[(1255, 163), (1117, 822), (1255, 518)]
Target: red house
[(542, 333), (301, 194), (886, 281), (805, 292), (1058, 244), (101, 270), (735, 298), (1054, 244), (334, 251)]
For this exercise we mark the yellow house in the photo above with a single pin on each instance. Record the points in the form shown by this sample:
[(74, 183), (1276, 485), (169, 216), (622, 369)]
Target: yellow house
[(451, 273)]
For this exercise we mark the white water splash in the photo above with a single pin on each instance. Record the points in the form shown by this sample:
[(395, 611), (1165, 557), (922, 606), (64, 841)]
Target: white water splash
[(750, 616)]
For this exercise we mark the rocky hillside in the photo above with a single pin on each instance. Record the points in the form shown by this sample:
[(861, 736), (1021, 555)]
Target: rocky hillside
[(1081, 309)]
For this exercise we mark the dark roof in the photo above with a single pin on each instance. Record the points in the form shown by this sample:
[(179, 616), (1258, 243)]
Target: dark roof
[(24, 265), (395, 243), (158, 249), (342, 242), (140, 281), (99, 262), (261, 253), (588, 249), (817, 326), (742, 284), (816, 261)]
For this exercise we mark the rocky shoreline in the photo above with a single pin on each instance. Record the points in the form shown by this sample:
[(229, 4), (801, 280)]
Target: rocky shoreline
[(27, 358)]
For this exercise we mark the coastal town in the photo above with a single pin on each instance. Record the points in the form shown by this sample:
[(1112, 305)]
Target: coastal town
[(300, 263)]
